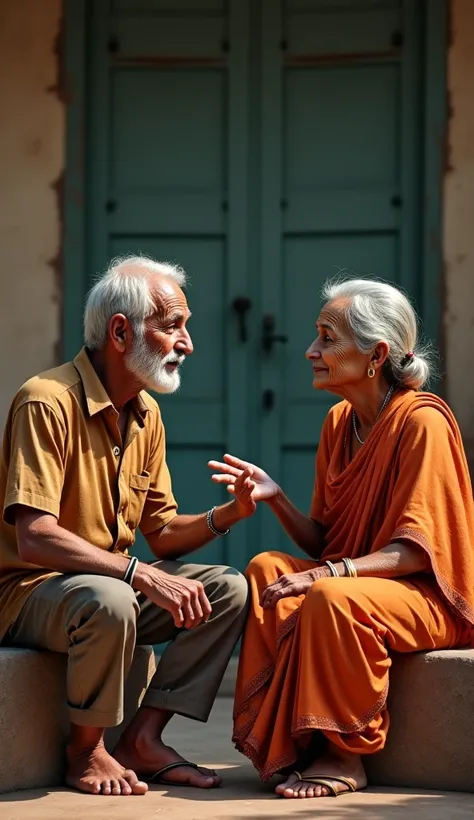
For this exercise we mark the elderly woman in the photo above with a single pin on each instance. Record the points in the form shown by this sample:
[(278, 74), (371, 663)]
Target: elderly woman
[(390, 536)]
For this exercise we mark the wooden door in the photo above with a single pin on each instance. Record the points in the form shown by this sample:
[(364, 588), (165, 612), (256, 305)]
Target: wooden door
[(264, 146)]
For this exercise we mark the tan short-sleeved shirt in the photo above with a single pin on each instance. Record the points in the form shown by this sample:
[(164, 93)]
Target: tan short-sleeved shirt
[(63, 454)]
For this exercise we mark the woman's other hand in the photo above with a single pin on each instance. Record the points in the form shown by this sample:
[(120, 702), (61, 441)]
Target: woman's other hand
[(291, 585), (248, 483)]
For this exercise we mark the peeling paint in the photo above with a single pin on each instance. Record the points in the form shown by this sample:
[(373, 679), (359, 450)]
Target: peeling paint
[(446, 144), (31, 158), (458, 238), (56, 261), (58, 89)]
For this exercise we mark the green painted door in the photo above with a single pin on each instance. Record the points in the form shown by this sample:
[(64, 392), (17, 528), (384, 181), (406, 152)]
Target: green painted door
[(340, 176), (263, 146)]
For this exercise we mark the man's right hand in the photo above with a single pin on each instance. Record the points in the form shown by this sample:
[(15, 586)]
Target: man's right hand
[(184, 599)]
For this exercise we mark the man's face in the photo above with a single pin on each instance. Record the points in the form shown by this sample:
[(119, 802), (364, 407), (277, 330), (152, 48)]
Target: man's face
[(159, 349)]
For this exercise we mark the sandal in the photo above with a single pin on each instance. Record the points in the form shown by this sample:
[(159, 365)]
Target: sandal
[(327, 782), (157, 778)]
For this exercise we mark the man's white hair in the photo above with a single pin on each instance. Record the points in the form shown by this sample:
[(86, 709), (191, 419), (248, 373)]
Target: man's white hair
[(124, 288), (378, 312)]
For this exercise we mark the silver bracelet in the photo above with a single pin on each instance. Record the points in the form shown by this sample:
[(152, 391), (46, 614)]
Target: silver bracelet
[(332, 569), (210, 523), (131, 570)]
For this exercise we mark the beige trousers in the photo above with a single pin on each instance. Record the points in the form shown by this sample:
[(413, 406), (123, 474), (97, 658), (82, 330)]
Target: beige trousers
[(98, 621)]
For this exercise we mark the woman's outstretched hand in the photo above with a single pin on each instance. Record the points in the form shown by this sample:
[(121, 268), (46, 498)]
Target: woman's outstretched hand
[(248, 483)]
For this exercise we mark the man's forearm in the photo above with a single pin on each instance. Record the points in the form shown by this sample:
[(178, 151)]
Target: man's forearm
[(303, 531), (48, 545), (187, 533)]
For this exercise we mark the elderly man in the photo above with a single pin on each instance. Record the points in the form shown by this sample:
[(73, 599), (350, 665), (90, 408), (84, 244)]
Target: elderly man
[(83, 467)]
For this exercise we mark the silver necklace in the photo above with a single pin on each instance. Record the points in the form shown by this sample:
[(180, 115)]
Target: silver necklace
[(384, 404)]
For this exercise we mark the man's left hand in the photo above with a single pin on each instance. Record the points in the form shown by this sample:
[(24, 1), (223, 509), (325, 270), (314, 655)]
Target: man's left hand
[(291, 585)]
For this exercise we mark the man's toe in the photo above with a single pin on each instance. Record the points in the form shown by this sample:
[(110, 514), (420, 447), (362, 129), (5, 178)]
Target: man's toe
[(137, 786), (125, 787)]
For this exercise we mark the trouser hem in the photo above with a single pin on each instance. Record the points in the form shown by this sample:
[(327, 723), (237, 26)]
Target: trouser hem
[(93, 717), (174, 702)]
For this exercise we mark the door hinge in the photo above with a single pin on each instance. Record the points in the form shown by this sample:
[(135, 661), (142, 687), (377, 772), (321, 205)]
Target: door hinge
[(113, 45), (397, 39), (268, 400)]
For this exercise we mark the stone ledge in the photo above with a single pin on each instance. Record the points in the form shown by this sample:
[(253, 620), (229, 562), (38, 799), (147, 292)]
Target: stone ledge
[(430, 744), (33, 715), (431, 740)]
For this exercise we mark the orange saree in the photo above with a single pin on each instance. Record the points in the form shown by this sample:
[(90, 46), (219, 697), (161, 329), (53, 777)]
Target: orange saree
[(321, 662)]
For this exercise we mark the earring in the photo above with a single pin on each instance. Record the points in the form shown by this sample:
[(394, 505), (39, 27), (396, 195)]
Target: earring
[(371, 372)]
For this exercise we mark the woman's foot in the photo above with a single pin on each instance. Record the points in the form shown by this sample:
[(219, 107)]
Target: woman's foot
[(93, 770), (335, 763)]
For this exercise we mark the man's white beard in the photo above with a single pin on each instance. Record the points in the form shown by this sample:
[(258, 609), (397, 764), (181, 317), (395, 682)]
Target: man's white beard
[(150, 368)]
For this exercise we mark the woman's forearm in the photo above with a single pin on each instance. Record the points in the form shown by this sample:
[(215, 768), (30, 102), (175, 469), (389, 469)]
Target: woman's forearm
[(303, 531), (394, 561)]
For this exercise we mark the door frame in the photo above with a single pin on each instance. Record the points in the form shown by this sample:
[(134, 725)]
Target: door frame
[(75, 38)]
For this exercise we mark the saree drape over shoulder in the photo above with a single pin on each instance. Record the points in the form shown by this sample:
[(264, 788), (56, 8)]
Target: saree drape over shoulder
[(321, 661)]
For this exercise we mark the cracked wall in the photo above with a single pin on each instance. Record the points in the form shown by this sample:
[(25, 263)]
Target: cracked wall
[(31, 162), (458, 236)]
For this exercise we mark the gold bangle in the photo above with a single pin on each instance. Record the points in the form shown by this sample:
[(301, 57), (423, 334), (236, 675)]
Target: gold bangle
[(332, 569), (350, 567)]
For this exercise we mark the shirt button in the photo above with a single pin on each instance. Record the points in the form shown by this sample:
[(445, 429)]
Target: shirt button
[(116, 451)]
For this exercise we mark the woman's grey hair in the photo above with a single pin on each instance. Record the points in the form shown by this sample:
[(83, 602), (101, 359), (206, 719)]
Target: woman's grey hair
[(124, 288), (377, 312)]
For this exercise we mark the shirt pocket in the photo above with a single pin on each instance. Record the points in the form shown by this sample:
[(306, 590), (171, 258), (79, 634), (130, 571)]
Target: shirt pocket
[(139, 486)]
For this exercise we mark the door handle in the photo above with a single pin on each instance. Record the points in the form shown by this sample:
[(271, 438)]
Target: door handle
[(241, 305), (268, 400), (269, 337)]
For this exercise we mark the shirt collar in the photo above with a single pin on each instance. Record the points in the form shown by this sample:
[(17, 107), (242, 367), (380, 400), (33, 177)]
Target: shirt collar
[(96, 395)]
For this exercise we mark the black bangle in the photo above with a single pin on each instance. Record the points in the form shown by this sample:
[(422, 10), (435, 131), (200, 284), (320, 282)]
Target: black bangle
[(130, 571), (210, 523)]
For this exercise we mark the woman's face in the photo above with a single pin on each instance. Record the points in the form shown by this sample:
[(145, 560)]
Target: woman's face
[(336, 361)]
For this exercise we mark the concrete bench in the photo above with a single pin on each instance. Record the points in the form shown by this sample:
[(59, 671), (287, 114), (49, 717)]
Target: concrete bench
[(431, 740), (430, 744), (33, 716)]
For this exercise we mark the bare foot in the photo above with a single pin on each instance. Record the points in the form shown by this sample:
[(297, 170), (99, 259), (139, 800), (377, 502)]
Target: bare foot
[(336, 763), (93, 770), (148, 755)]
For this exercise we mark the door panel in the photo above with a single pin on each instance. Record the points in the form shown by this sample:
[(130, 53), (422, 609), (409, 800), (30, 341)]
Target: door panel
[(341, 27), (340, 152), (168, 159)]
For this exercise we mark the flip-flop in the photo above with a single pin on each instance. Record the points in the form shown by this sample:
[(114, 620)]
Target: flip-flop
[(158, 779), (326, 781)]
